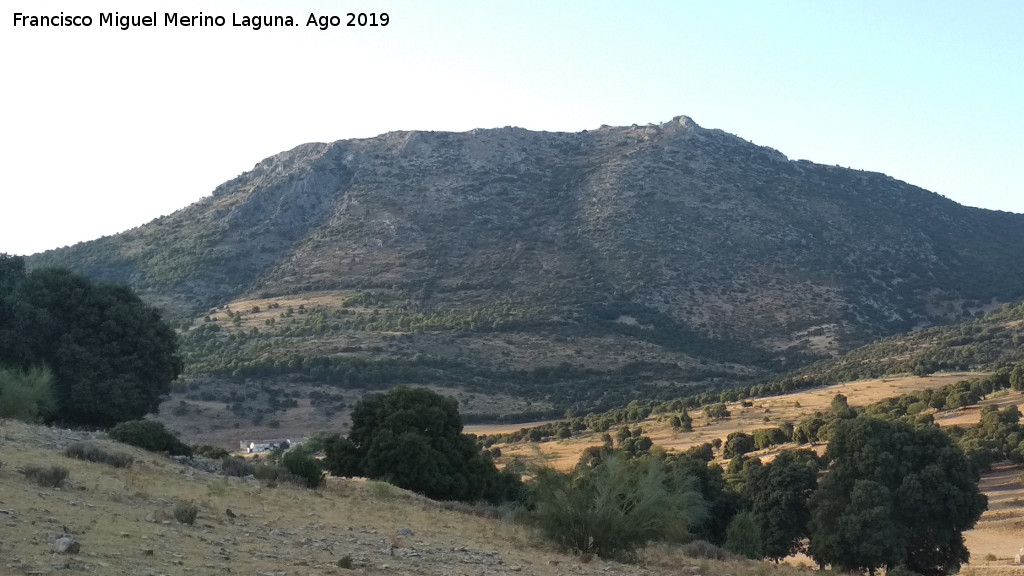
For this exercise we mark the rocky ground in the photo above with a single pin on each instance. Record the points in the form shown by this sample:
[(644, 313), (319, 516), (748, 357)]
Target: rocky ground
[(120, 521)]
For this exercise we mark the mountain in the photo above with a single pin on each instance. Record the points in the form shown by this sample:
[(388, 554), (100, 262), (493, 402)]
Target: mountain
[(561, 270)]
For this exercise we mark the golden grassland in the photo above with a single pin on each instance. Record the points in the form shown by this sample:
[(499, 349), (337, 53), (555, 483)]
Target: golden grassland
[(1000, 532), (764, 413)]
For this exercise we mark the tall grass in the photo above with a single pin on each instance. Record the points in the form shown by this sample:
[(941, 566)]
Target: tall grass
[(26, 395)]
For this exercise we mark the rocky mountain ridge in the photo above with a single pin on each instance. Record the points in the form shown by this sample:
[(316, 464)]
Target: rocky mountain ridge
[(692, 255)]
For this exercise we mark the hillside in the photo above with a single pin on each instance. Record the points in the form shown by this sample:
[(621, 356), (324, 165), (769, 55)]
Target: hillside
[(558, 271), (990, 342)]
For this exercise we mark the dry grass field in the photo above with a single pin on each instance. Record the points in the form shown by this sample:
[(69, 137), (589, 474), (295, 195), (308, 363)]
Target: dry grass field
[(1000, 533), (123, 517), (765, 412), (123, 520)]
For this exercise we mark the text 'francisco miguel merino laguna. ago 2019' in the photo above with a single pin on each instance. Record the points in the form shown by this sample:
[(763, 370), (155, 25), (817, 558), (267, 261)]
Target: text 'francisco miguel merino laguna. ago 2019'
[(174, 19)]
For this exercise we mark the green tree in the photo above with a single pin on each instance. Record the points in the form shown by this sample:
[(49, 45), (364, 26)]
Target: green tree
[(856, 531), (894, 494), (841, 408), (722, 503), (738, 443), (112, 357), (716, 411), (685, 421), (300, 463), (412, 437), (778, 493), (1017, 377), (743, 536)]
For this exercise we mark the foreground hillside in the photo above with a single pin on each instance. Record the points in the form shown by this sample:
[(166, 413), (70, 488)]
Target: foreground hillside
[(123, 522), (567, 271)]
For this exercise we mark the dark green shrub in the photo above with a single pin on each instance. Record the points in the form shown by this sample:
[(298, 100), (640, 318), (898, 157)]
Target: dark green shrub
[(93, 453), (304, 466), (270, 474), (149, 435), (238, 467), (46, 476)]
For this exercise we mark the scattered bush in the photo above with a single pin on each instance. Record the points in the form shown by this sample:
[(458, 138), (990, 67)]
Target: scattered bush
[(704, 550), (149, 435), (211, 452), (46, 476), (238, 467), (382, 490), (270, 474), (716, 411), (93, 453), (218, 487), (186, 512), (345, 562), (304, 466), (478, 509)]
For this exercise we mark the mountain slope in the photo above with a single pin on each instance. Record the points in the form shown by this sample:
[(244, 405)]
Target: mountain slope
[(636, 258), (993, 342)]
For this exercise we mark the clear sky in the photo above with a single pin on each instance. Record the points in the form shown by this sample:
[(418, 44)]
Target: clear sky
[(104, 129)]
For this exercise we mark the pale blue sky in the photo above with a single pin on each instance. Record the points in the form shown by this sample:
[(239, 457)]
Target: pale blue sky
[(106, 129)]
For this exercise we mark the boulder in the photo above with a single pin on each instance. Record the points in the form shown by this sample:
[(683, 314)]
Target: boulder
[(66, 545)]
